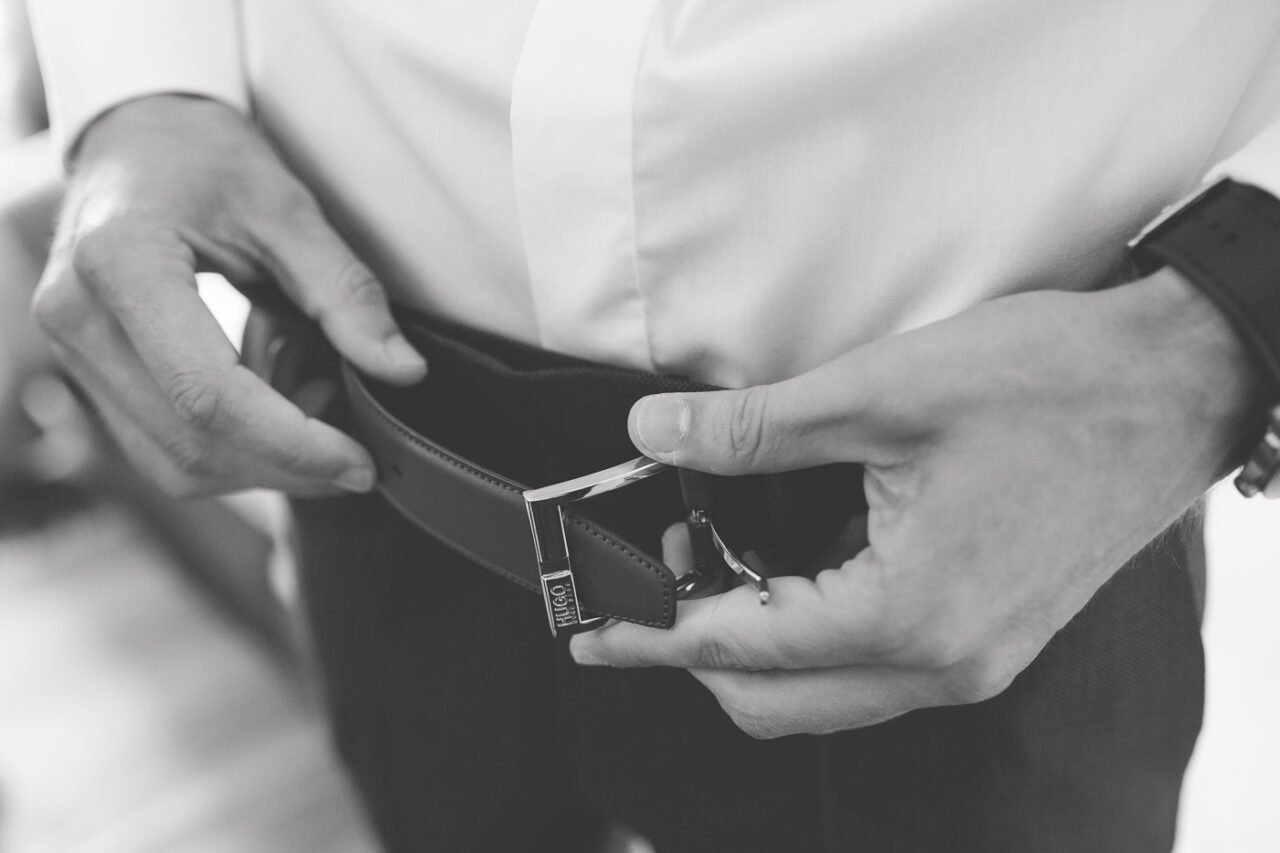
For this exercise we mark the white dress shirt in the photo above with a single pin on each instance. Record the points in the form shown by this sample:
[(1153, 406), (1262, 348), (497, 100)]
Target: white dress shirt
[(735, 191)]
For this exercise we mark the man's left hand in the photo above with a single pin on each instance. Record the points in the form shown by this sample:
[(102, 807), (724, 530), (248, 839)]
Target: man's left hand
[(1016, 456)]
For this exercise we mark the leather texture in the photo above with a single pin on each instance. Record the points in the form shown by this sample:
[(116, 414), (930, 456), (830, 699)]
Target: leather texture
[(482, 515), (495, 416), (445, 687)]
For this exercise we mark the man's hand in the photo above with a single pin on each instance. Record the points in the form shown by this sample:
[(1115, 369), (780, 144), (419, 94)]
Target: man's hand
[(1016, 455), (167, 186)]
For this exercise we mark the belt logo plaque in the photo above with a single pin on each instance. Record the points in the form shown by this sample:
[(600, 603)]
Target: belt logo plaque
[(544, 507), (561, 596)]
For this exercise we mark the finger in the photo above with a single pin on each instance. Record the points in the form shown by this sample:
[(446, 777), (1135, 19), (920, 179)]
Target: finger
[(326, 280), (156, 441), (840, 618), (677, 550), (144, 453), (315, 397), (821, 701), (147, 283), (826, 415), (157, 464)]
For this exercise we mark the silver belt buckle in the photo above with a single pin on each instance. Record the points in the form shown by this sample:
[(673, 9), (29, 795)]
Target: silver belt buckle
[(545, 507), (546, 519)]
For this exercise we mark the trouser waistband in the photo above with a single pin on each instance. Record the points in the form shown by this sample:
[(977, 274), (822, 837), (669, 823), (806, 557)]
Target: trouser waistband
[(495, 417)]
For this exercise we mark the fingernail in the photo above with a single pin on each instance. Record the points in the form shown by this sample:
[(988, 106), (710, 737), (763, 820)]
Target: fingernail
[(356, 480), (662, 423), (402, 353)]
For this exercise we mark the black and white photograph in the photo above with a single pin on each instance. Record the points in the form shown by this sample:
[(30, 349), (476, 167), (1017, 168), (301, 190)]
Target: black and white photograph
[(647, 426)]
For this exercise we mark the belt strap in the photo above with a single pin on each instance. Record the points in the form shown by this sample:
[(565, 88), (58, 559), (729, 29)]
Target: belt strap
[(483, 515), (456, 455)]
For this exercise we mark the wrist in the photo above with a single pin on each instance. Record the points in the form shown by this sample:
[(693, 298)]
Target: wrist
[(1198, 357), (158, 114)]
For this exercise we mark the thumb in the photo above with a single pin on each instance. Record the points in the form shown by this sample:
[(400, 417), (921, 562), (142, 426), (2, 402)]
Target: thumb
[(810, 420)]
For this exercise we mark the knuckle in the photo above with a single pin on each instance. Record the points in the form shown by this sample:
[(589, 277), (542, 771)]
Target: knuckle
[(360, 290), (198, 399), (746, 426), (170, 466), (717, 652), (356, 292), (759, 728), (295, 460), (983, 678), (106, 256), (193, 468), (937, 646), (60, 307), (752, 719), (190, 460), (178, 484), (97, 251)]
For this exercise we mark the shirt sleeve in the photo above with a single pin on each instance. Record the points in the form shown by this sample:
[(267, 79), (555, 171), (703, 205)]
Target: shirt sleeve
[(1256, 164), (95, 54)]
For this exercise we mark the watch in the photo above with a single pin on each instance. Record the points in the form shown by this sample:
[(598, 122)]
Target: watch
[(1225, 238)]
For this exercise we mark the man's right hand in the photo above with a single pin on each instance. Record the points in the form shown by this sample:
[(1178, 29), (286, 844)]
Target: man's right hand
[(165, 187)]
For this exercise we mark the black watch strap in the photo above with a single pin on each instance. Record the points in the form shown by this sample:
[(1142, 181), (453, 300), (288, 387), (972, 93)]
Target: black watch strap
[(1227, 242)]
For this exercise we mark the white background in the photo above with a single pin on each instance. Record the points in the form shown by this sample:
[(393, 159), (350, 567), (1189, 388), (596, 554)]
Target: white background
[(1231, 799)]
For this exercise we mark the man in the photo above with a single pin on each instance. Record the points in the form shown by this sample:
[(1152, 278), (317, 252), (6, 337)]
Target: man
[(883, 226)]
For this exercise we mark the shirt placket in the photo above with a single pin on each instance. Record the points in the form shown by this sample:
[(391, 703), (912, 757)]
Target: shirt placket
[(572, 146)]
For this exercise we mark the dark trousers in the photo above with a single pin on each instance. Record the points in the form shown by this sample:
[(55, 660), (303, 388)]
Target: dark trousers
[(467, 727)]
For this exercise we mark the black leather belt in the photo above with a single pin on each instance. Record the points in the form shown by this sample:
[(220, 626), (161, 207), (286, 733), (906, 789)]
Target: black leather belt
[(478, 511), (459, 453)]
